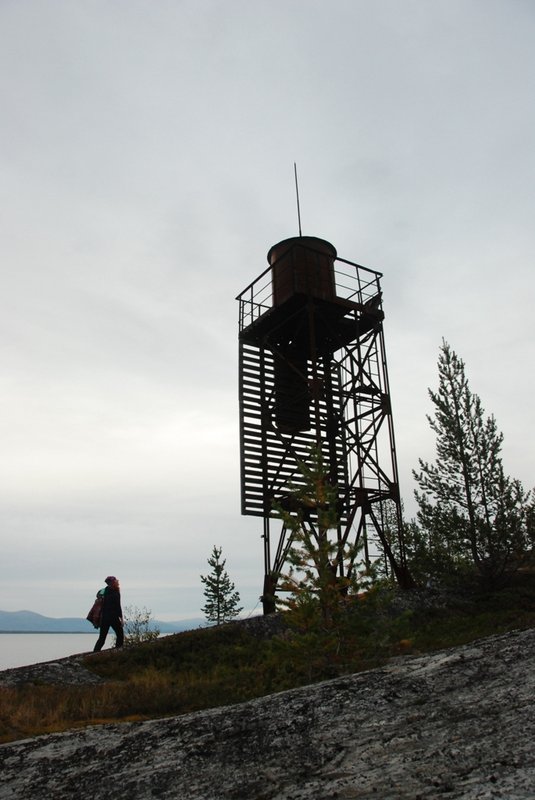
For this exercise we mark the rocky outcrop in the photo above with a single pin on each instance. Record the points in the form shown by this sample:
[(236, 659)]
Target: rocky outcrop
[(70, 670), (455, 724)]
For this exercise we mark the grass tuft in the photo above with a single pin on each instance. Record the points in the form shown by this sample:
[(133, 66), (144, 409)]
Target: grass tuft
[(219, 666)]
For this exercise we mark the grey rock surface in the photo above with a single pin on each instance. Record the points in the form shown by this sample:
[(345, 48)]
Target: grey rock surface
[(70, 670), (459, 723)]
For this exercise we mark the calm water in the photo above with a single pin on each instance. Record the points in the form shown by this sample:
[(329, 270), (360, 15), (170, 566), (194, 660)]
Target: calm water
[(20, 649)]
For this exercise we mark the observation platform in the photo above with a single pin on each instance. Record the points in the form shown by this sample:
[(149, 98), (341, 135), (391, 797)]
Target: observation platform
[(307, 283)]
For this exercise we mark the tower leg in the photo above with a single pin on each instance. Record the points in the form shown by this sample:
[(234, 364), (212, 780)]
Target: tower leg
[(268, 595)]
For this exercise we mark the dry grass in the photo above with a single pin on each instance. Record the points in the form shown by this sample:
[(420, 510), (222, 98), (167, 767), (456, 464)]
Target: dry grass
[(220, 666)]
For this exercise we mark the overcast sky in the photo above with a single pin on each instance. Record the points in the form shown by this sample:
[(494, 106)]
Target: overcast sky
[(147, 154)]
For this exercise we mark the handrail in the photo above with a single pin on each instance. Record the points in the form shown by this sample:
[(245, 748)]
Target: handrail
[(351, 285)]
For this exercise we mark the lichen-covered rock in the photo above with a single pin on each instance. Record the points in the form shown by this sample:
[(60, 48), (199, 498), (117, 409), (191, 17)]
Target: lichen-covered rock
[(456, 724), (70, 670)]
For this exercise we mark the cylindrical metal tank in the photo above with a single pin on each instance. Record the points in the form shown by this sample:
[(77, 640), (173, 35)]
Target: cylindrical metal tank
[(302, 265)]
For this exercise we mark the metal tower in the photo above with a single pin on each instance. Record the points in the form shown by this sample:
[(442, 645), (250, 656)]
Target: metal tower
[(313, 374)]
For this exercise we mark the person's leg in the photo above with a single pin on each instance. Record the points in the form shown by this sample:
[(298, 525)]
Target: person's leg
[(119, 633), (104, 628)]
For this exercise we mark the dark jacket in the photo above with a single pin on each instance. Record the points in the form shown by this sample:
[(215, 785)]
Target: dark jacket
[(111, 609)]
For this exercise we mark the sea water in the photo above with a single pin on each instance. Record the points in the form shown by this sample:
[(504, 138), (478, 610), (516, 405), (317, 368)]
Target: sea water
[(21, 649)]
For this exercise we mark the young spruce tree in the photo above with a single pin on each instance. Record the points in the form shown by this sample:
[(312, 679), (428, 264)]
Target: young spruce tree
[(310, 514), (329, 616), (221, 598), (470, 512)]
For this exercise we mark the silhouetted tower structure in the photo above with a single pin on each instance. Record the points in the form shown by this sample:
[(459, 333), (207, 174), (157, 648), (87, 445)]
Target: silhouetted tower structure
[(313, 375)]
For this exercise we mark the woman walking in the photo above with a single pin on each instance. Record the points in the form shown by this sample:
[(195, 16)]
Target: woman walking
[(112, 614)]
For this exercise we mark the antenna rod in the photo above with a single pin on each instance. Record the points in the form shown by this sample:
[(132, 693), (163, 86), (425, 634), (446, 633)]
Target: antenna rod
[(297, 196)]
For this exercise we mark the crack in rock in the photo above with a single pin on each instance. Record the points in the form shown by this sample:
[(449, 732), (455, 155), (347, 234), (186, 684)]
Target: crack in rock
[(454, 724)]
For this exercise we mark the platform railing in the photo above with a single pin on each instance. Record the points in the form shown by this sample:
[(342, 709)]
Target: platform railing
[(353, 283)]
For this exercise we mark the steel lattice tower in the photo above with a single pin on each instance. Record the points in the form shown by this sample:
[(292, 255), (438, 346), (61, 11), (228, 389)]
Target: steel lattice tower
[(313, 374)]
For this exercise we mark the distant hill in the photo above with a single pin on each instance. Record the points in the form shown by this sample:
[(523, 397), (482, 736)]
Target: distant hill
[(30, 622), (180, 625)]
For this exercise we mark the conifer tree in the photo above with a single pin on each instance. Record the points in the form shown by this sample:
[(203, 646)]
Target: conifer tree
[(313, 556), (323, 605), (471, 513), (221, 598)]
